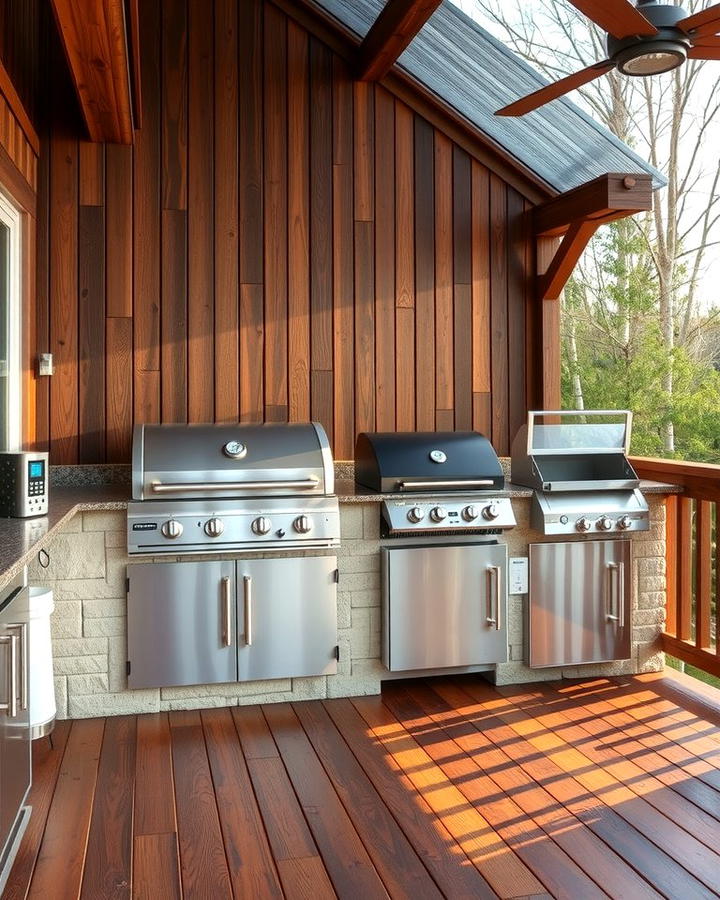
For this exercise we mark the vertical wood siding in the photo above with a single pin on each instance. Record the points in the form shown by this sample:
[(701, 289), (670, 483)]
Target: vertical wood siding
[(280, 243)]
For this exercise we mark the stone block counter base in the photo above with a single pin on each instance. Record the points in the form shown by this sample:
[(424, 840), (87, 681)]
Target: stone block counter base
[(87, 571)]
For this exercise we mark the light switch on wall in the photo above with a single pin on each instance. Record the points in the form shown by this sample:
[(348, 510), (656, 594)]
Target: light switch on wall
[(45, 365)]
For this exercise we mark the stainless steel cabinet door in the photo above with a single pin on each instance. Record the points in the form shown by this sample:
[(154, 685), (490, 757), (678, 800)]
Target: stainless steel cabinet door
[(14, 715), (444, 606), (579, 602), (287, 617), (181, 624)]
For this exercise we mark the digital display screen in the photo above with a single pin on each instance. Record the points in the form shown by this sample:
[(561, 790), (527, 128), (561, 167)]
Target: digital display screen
[(37, 469)]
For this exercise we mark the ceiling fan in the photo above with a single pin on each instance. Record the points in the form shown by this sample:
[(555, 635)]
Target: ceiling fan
[(646, 39)]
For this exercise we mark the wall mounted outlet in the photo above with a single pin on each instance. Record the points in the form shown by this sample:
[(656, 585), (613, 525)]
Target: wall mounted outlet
[(45, 365), (518, 575)]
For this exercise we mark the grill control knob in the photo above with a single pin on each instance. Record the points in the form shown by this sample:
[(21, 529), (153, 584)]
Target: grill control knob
[(171, 529), (416, 514), (605, 523), (583, 524), (214, 527), (624, 522), (438, 513), (491, 512), (470, 513), (303, 524), (261, 525)]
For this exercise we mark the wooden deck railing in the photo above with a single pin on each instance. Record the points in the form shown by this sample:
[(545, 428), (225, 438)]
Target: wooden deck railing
[(693, 574)]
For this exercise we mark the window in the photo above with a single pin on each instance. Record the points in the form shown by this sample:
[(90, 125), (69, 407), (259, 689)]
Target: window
[(10, 302)]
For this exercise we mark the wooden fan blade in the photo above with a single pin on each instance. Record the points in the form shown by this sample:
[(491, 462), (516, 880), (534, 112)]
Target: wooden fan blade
[(704, 52), (556, 89), (618, 17), (707, 21), (712, 41)]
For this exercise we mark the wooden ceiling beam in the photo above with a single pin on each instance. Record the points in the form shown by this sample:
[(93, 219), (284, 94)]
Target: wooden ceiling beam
[(390, 34), (609, 197), (97, 43)]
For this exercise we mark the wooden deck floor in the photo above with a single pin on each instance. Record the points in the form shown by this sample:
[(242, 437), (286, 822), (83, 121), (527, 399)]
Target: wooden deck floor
[(445, 788)]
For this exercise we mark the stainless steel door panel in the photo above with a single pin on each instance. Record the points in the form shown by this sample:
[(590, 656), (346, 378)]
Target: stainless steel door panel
[(287, 617), (181, 624), (444, 606), (579, 602), (15, 765)]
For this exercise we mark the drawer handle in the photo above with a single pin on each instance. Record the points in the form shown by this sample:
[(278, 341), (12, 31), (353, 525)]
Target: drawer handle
[(10, 706), (22, 627), (247, 593), (227, 612), (615, 603), (493, 597)]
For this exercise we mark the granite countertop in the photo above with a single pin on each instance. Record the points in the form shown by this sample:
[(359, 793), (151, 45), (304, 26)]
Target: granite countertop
[(22, 539)]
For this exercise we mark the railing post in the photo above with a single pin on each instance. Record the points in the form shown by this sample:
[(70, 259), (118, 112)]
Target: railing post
[(703, 567), (684, 579), (671, 566)]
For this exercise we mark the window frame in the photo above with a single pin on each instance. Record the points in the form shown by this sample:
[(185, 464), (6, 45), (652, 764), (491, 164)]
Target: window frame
[(11, 218)]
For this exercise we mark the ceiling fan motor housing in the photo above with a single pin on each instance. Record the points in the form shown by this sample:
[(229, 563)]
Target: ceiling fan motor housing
[(670, 44)]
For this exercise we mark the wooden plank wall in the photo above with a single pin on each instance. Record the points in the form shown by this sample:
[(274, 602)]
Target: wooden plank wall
[(281, 243)]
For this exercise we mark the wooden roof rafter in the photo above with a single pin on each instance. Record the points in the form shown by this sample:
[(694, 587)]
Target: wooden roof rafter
[(393, 30), (99, 40), (576, 215)]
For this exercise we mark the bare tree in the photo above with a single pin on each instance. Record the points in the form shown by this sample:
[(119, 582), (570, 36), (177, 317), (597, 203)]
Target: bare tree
[(672, 120)]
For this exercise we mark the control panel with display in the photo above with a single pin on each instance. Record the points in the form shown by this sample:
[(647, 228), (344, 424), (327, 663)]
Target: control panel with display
[(23, 484)]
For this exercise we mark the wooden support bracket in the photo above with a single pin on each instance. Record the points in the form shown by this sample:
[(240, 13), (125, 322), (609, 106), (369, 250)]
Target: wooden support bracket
[(576, 238), (393, 30), (577, 214), (604, 199)]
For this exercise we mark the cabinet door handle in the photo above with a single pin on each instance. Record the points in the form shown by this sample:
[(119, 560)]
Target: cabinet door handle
[(10, 705), (226, 612), (247, 593), (493, 596), (22, 627), (621, 594), (612, 602)]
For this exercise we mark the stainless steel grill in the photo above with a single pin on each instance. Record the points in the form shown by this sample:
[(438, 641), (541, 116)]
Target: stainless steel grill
[(444, 573), (579, 470), (452, 479), (214, 488)]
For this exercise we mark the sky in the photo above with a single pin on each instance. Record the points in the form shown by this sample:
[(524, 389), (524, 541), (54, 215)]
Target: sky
[(709, 282)]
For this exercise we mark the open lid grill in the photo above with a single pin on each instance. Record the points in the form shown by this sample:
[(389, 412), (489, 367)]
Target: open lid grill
[(586, 454), (429, 461), (176, 462)]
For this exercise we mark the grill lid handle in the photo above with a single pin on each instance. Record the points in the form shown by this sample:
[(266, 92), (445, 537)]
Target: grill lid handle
[(160, 487), (441, 483)]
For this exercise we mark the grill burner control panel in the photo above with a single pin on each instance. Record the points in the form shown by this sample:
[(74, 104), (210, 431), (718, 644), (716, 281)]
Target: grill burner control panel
[(448, 513), (226, 525), (602, 512)]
